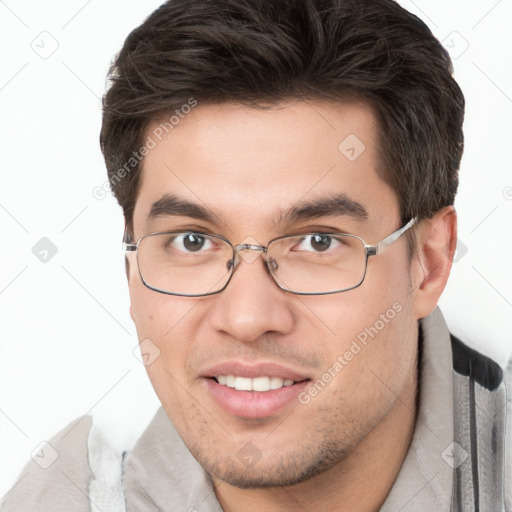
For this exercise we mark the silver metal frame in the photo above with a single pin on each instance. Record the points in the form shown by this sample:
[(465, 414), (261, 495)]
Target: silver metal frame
[(370, 250)]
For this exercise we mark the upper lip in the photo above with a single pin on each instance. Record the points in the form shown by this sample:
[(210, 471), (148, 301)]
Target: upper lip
[(253, 370)]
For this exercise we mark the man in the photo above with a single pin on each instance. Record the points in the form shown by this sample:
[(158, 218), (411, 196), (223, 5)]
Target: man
[(287, 173)]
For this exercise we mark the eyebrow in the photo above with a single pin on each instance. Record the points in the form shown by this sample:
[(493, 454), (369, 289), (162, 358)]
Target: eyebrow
[(172, 205), (333, 205)]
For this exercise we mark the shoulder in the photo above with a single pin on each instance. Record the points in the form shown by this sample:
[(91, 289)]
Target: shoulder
[(483, 426), (57, 477), (508, 460)]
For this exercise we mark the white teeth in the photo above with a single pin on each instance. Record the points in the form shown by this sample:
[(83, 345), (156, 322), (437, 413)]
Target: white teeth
[(256, 384), (261, 384), (243, 384), (276, 383)]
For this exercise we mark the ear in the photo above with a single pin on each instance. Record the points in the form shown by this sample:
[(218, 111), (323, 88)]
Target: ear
[(436, 242)]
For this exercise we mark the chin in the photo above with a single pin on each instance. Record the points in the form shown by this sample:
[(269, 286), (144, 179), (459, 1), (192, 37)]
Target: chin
[(251, 471)]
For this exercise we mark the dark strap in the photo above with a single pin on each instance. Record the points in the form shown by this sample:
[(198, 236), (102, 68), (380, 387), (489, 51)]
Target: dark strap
[(473, 364)]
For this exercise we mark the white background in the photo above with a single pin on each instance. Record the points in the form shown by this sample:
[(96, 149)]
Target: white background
[(67, 340)]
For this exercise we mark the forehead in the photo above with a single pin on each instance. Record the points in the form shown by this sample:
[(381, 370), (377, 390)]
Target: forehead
[(253, 165)]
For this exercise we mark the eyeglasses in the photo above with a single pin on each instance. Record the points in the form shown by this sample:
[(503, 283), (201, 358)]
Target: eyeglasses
[(195, 264)]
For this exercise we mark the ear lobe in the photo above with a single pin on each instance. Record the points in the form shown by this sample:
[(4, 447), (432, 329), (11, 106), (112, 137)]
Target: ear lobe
[(436, 243)]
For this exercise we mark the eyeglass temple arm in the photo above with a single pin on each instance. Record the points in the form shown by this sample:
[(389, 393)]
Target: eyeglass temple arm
[(126, 245), (393, 237)]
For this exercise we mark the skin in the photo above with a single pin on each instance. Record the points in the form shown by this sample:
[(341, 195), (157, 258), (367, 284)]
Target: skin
[(344, 449)]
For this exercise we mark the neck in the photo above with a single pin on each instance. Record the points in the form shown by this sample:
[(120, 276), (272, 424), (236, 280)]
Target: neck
[(360, 482)]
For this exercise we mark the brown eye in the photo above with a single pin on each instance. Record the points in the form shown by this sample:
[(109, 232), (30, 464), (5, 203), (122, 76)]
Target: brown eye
[(316, 243), (320, 242), (193, 242), (188, 243)]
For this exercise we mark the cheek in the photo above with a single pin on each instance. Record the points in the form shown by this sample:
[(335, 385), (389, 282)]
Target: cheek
[(375, 333), (156, 315), (163, 330), (155, 321)]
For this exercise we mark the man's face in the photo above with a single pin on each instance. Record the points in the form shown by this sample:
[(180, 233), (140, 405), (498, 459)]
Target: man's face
[(248, 167)]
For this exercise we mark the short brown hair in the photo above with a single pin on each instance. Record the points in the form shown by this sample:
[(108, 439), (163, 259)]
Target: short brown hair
[(260, 51)]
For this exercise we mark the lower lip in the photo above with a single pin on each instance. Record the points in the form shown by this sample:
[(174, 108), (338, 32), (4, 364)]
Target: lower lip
[(254, 404)]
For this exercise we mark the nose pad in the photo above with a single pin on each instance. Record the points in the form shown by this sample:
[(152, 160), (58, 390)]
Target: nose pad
[(232, 263), (272, 264)]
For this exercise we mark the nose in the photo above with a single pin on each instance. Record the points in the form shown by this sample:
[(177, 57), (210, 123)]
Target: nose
[(252, 304)]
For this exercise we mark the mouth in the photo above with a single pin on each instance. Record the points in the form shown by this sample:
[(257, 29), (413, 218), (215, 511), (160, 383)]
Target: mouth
[(254, 391), (260, 384)]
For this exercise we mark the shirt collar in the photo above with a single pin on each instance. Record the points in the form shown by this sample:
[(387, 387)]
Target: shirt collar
[(425, 480)]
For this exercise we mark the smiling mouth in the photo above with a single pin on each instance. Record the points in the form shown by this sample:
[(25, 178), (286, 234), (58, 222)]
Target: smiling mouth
[(258, 384)]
